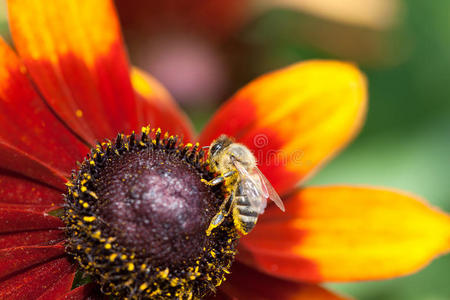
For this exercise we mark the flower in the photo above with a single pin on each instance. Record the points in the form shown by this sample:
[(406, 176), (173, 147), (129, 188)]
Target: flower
[(72, 86)]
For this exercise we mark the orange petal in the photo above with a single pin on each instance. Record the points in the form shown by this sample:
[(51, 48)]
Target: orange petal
[(26, 121), (157, 106), (346, 234), (247, 283), (294, 119), (74, 52)]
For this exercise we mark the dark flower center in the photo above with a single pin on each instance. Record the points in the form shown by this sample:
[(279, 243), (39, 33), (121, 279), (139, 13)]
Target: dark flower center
[(137, 214)]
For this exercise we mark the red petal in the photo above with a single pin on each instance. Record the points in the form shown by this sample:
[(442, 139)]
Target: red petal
[(20, 190), (294, 119), (28, 124), (247, 283), (27, 207), (158, 108), (29, 238), (74, 52), (220, 295), (60, 288), (19, 162), (36, 281), (16, 259), (12, 220)]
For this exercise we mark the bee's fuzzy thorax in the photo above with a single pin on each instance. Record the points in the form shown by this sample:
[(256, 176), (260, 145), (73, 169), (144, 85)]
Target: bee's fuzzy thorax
[(136, 214)]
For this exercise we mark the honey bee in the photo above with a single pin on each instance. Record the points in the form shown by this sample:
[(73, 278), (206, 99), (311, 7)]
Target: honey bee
[(248, 188)]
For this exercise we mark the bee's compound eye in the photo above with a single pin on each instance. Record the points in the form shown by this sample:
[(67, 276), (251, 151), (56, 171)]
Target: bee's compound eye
[(216, 148)]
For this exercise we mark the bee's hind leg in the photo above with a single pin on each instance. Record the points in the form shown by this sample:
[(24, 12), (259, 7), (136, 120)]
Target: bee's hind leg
[(224, 211), (219, 179)]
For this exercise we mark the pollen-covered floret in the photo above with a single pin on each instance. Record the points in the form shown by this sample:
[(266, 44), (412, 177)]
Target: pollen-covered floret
[(136, 215)]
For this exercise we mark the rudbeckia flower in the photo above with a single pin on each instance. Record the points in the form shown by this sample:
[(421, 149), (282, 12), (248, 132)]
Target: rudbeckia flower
[(132, 222)]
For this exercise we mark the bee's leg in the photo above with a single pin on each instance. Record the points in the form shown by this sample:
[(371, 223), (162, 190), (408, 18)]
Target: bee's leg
[(230, 202), (219, 179), (224, 210)]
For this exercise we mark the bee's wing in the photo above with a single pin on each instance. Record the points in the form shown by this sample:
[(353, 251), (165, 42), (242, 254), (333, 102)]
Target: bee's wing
[(252, 189), (270, 191)]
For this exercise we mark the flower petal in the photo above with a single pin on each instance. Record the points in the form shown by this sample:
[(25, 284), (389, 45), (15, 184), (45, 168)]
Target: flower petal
[(294, 119), (21, 190), (247, 283), (220, 295), (36, 281), (15, 220), (29, 238), (60, 288), (157, 106), (88, 291), (74, 52), (14, 160), (28, 124), (16, 259), (340, 233)]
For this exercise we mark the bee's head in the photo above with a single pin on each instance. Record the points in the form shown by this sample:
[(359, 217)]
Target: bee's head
[(219, 144)]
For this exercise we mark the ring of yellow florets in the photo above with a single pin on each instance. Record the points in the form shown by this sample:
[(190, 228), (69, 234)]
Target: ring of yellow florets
[(133, 272)]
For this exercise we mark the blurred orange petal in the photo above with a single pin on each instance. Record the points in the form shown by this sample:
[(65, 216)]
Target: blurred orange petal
[(157, 106), (294, 119), (74, 52), (340, 233), (247, 283)]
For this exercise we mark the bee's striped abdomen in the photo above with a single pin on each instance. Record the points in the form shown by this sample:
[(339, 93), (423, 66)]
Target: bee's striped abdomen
[(244, 215)]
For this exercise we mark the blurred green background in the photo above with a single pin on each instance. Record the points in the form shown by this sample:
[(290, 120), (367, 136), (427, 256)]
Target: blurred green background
[(404, 50)]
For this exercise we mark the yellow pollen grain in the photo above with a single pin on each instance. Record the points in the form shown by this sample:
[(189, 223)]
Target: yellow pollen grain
[(130, 267), (123, 257), (94, 195), (107, 246), (79, 113), (85, 205), (174, 282), (89, 219), (143, 286), (96, 235), (83, 189), (112, 257), (164, 273), (143, 266)]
